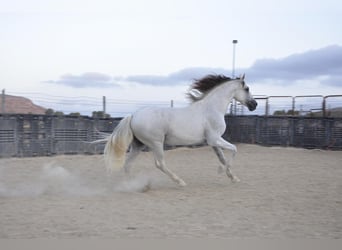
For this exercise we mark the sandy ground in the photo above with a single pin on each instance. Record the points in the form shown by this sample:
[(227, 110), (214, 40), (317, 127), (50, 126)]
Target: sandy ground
[(283, 193)]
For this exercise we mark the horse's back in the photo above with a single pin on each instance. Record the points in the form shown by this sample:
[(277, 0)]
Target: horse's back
[(150, 118), (149, 124)]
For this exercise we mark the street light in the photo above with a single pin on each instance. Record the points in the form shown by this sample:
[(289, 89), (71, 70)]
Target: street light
[(234, 104), (233, 68)]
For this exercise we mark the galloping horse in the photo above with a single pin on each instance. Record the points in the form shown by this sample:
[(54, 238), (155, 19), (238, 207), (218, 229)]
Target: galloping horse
[(201, 121)]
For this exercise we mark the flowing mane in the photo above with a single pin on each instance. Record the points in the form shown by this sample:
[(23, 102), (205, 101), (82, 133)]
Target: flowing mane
[(201, 87)]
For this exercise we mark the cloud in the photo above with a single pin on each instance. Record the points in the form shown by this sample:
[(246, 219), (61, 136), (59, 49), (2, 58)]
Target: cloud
[(324, 65), (184, 76), (86, 80), (311, 65), (334, 80)]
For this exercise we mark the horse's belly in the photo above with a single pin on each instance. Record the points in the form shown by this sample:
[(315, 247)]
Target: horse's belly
[(184, 138), (181, 142)]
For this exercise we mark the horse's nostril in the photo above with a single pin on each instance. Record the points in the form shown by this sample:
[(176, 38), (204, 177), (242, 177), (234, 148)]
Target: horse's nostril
[(252, 105)]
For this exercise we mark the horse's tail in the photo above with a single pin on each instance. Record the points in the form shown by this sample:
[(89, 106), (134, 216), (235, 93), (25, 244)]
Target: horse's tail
[(117, 144)]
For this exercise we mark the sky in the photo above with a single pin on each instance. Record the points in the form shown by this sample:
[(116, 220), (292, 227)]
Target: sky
[(151, 50)]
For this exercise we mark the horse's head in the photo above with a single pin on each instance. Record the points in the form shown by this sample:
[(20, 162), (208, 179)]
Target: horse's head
[(243, 94)]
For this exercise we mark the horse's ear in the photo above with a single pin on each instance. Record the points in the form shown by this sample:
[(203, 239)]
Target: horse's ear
[(195, 94), (242, 77)]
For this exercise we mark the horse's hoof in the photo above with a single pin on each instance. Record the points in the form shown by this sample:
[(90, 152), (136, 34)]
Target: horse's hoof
[(181, 183), (146, 188), (235, 179)]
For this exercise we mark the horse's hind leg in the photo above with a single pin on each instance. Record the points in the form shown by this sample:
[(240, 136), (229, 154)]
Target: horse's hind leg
[(136, 148), (223, 160), (158, 153)]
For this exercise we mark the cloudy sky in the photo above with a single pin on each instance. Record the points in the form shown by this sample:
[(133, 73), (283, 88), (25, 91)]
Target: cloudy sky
[(152, 49)]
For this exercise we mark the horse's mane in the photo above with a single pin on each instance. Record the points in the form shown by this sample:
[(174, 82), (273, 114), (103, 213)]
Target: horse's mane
[(204, 85)]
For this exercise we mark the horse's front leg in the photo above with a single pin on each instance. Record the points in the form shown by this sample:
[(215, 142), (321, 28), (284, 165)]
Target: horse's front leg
[(217, 146), (225, 163), (219, 153)]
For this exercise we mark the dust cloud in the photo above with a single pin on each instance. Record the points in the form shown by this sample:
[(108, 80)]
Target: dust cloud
[(53, 179)]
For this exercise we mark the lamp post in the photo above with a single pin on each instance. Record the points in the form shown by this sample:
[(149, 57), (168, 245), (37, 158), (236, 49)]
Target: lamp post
[(234, 104), (233, 67)]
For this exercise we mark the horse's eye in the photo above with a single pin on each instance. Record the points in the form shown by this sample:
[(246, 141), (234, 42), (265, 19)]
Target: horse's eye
[(247, 89)]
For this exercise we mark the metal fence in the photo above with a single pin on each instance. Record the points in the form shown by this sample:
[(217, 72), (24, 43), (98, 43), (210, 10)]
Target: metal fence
[(296, 131), (308, 105), (40, 135)]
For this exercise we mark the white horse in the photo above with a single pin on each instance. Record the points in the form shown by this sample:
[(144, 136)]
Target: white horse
[(202, 121)]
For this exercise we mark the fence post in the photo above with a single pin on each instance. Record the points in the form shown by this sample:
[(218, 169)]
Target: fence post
[(104, 106), (266, 107), (324, 106), (3, 96), (293, 105)]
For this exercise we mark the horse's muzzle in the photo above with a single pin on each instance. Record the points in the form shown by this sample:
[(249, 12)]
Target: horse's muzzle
[(251, 105)]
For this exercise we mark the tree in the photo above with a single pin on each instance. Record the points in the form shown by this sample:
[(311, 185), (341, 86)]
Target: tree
[(292, 112), (52, 112), (279, 112), (283, 112), (49, 112), (59, 113), (100, 114)]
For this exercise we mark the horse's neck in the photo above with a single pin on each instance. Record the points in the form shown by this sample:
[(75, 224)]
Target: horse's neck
[(220, 97)]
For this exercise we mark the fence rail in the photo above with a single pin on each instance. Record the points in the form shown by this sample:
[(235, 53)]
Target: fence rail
[(306, 132), (306, 105), (40, 135)]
